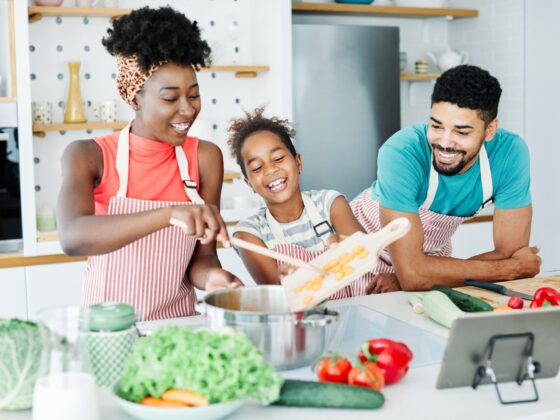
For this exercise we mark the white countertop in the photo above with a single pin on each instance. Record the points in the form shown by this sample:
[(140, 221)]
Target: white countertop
[(415, 397)]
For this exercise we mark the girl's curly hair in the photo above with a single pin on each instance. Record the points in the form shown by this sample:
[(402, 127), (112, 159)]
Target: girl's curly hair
[(156, 36), (241, 128)]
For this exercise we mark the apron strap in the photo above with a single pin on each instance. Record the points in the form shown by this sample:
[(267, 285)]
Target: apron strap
[(322, 227), (190, 185), (485, 176), (122, 159), (432, 187)]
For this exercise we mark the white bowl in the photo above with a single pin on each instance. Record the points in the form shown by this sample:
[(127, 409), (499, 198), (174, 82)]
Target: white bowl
[(146, 412)]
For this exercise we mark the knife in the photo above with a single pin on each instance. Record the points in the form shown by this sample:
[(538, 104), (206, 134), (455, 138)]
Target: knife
[(498, 288)]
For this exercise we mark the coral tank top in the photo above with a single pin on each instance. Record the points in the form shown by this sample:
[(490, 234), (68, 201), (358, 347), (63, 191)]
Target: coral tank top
[(153, 170)]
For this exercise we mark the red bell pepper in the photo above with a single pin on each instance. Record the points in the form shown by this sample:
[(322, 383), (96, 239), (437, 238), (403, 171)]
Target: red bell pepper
[(391, 356), (545, 296)]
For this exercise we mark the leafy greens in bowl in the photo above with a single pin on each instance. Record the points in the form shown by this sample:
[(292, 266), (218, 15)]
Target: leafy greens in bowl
[(220, 366)]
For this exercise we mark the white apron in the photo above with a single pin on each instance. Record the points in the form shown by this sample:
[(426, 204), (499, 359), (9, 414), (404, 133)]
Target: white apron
[(438, 228), (149, 273), (322, 229)]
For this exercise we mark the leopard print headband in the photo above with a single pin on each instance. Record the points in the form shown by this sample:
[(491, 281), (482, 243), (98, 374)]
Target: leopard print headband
[(131, 78)]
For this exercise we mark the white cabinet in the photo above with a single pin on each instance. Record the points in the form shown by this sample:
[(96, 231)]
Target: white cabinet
[(12, 296), (472, 239), (53, 285)]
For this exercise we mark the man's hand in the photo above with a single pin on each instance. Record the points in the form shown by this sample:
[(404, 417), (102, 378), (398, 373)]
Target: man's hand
[(219, 278), (383, 283), (528, 261)]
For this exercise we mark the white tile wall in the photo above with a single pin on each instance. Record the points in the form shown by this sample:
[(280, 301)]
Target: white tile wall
[(495, 42)]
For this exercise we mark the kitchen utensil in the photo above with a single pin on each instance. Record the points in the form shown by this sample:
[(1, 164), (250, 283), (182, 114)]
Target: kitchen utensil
[(528, 286), (356, 255), (288, 340), (260, 250), (146, 412), (498, 288)]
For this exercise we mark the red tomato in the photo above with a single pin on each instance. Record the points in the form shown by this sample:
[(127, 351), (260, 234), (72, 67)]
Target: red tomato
[(368, 375), (333, 369)]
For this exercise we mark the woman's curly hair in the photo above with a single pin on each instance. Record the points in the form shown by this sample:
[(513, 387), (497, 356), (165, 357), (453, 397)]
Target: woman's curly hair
[(241, 128), (156, 36)]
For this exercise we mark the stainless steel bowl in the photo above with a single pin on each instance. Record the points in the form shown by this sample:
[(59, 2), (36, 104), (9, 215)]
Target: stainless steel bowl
[(287, 339)]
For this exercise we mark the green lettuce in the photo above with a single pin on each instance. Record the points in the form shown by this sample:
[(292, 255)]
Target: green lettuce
[(20, 356), (220, 366)]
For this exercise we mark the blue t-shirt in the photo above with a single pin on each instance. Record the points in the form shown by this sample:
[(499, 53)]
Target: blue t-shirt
[(403, 169)]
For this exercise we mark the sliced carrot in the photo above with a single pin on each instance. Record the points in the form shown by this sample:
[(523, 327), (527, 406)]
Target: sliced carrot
[(185, 397), (158, 402)]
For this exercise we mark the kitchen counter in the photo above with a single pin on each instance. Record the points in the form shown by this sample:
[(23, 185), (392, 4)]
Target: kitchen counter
[(414, 397)]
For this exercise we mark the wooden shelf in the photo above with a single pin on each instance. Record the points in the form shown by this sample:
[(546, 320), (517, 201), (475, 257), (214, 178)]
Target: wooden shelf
[(39, 130), (388, 11), (240, 71), (229, 176), (36, 13), (5, 99), (481, 219), (19, 260), (419, 76)]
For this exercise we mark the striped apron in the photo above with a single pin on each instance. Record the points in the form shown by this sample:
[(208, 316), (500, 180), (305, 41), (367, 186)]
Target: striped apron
[(438, 228), (322, 229), (149, 273)]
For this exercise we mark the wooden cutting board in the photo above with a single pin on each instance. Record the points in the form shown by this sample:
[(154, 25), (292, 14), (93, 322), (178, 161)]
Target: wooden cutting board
[(528, 286)]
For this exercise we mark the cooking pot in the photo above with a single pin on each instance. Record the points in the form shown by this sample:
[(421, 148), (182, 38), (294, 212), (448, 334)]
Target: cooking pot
[(288, 340)]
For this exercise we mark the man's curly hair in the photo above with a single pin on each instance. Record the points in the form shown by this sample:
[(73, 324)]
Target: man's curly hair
[(469, 87), (156, 36), (241, 128)]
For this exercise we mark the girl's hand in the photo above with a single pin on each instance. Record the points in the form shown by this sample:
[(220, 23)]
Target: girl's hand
[(203, 221), (218, 278)]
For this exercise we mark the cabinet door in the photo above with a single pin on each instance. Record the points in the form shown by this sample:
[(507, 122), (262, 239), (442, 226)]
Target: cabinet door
[(12, 298), (53, 285)]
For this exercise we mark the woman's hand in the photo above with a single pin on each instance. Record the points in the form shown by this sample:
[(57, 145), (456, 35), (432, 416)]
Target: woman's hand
[(203, 221), (218, 278)]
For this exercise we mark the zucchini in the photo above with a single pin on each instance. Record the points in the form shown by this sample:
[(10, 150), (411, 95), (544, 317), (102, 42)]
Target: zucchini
[(465, 302), (440, 308), (328, 395)]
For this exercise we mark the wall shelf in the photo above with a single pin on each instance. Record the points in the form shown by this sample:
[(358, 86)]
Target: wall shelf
[(5, 99), (39, 130), (387, 11), (419, 76), (36, 13), (240, 71), (229, 176)]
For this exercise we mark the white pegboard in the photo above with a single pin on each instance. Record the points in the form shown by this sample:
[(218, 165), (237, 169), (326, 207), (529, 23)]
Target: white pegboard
[(227, 25)]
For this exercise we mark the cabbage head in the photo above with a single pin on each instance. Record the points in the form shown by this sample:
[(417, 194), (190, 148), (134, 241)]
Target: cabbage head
[(221, 366), (20, 356)]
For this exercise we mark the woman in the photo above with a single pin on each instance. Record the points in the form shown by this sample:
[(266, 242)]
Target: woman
[(120, 191)]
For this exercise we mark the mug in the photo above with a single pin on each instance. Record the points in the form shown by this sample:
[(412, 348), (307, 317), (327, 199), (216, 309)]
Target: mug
[(42, 112), (106, 111)]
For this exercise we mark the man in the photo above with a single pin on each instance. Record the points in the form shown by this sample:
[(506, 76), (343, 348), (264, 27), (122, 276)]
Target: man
[(439, 175)]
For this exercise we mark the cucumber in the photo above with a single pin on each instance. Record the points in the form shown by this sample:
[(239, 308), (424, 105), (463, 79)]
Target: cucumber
[(327, 395), (440, 308), (465, 302)]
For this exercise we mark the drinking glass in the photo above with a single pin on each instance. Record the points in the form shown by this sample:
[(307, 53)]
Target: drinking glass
[(66, 387)]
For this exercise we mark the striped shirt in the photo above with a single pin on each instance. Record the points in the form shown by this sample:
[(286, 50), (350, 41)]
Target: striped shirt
[(299, 232)]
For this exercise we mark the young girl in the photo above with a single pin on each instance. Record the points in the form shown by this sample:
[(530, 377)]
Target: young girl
[(120, 191), (295, 223)]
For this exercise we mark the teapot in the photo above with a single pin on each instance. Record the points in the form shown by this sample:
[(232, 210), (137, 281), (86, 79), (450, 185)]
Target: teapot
[(448, 59)]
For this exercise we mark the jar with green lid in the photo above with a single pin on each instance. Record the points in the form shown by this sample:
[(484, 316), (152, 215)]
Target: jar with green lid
[(111, 337)]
